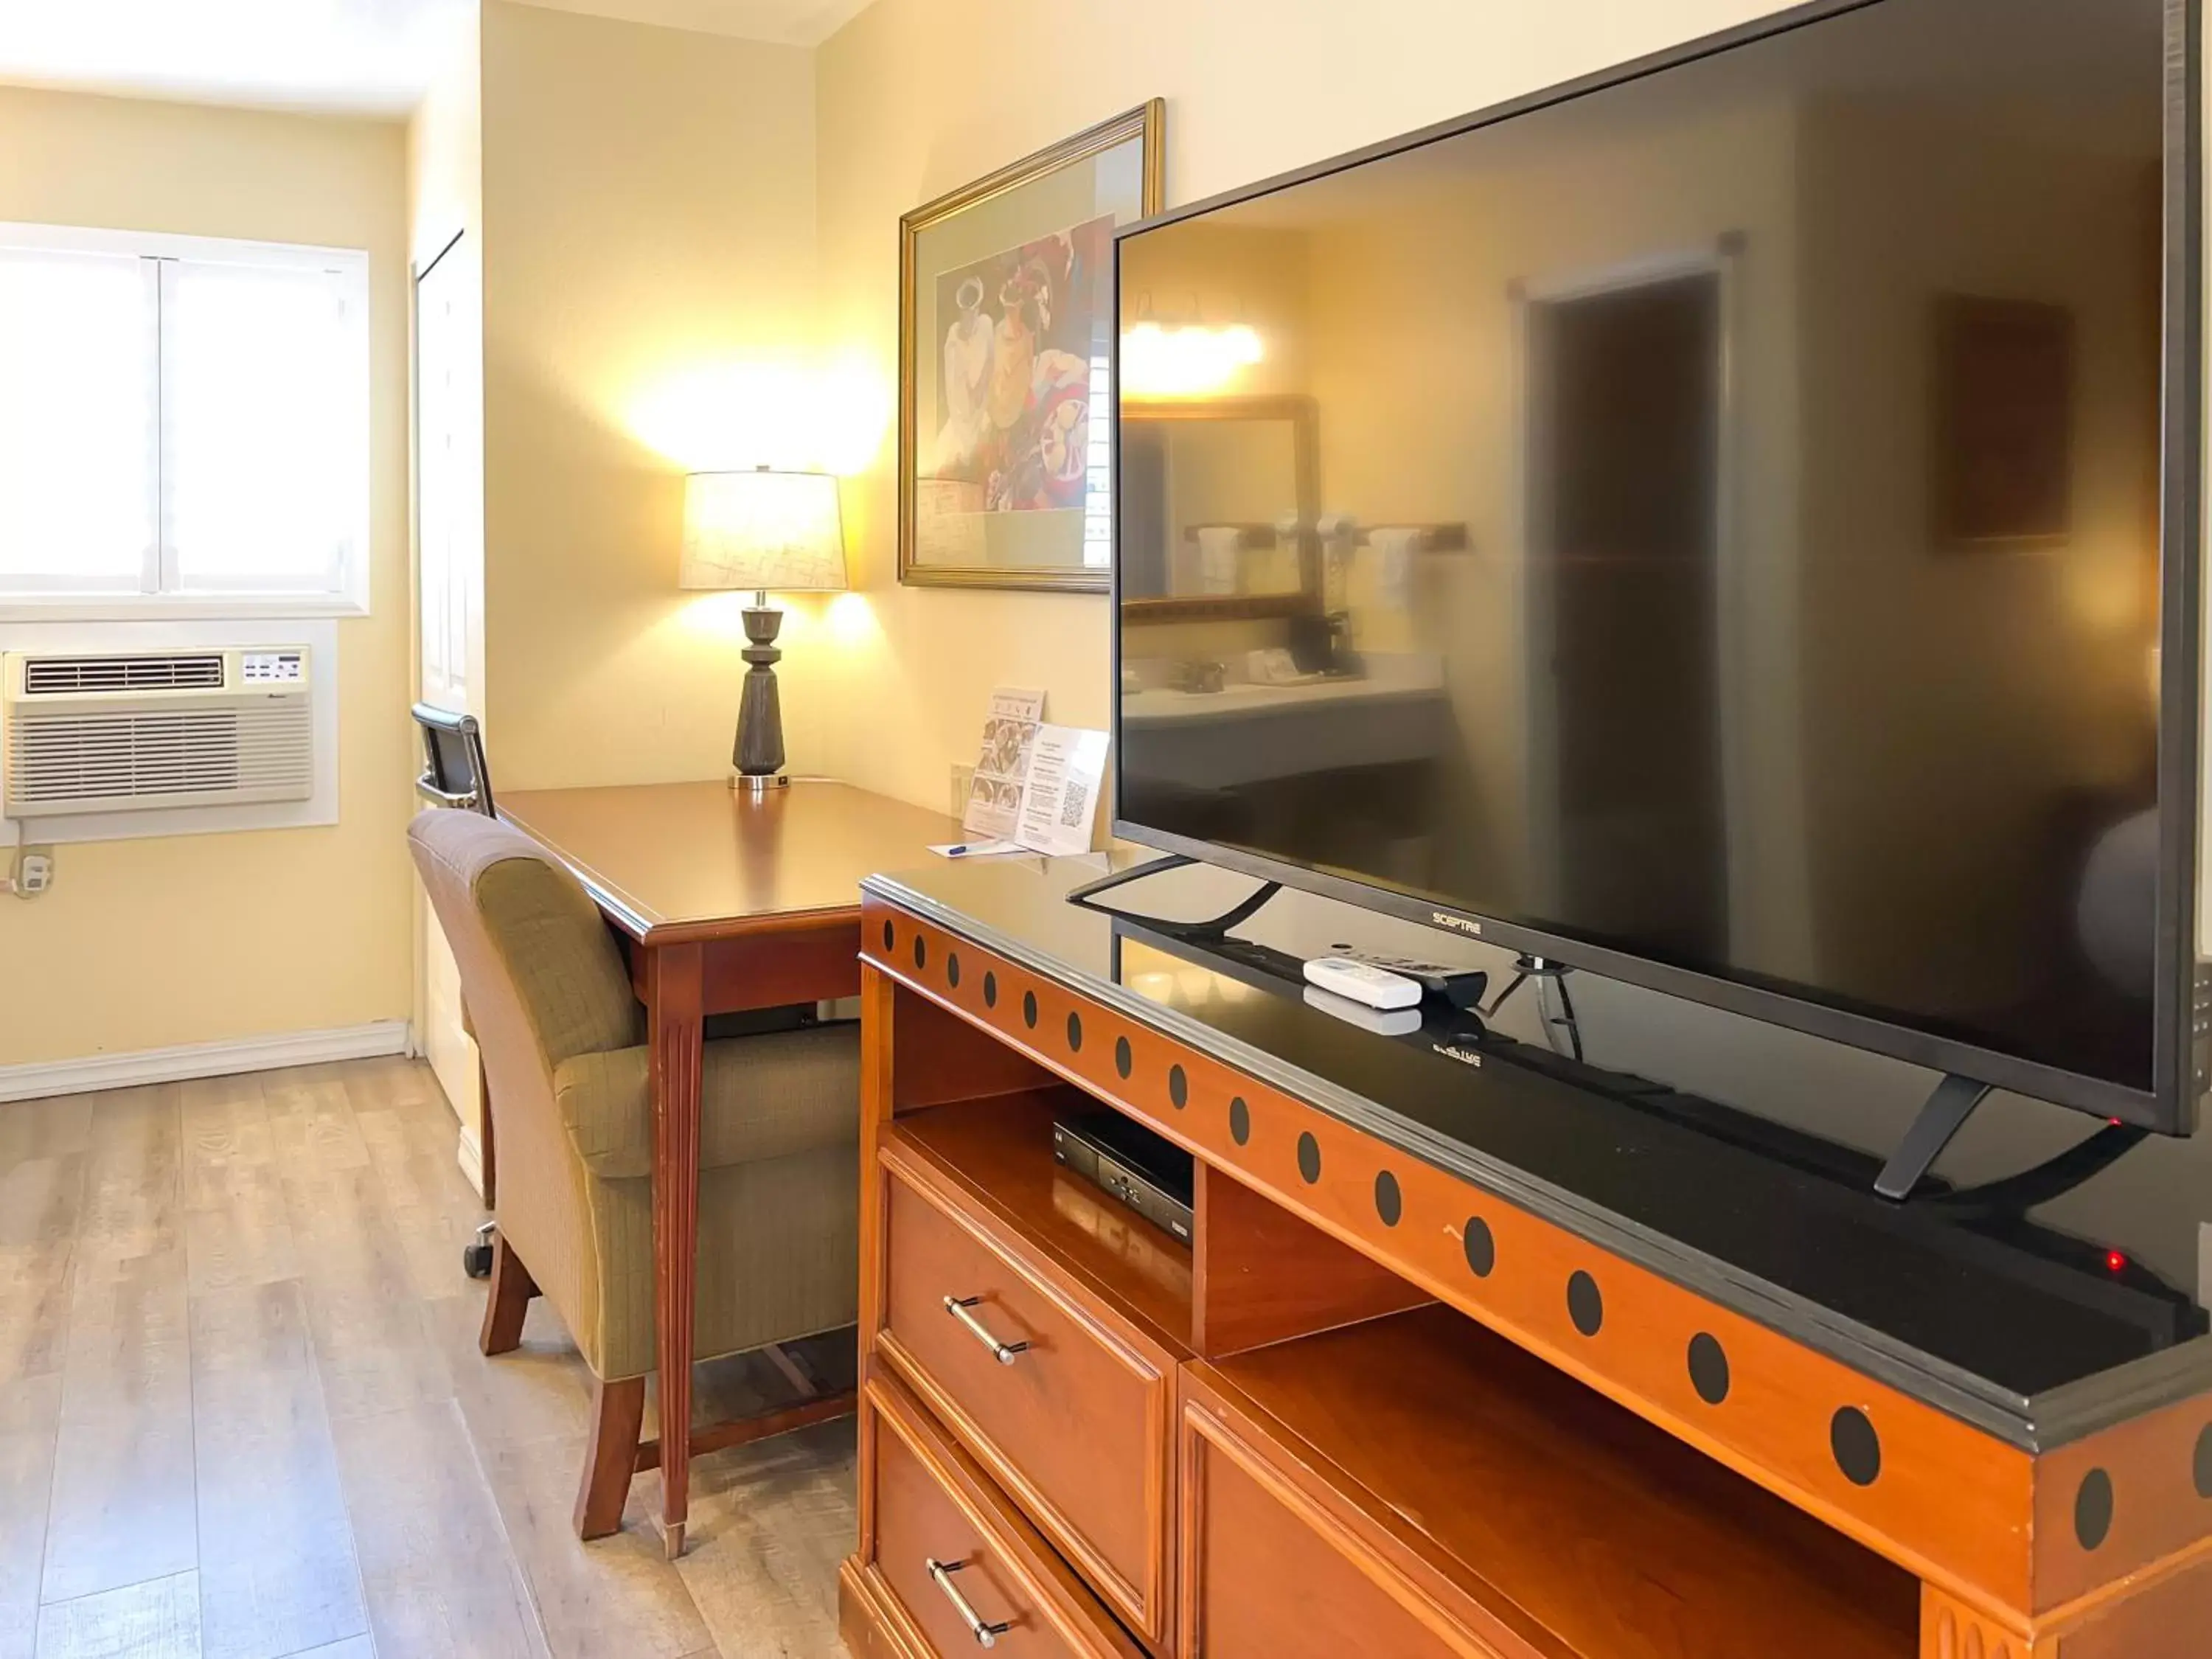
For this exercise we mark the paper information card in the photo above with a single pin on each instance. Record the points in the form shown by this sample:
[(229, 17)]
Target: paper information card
[(994, 796), (1036, 786), (1066, 766)]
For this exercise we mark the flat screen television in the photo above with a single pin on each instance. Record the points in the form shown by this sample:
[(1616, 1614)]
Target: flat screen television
[(1731, 523)]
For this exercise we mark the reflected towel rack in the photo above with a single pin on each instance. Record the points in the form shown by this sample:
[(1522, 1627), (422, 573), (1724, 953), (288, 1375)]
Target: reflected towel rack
[(1248, 535), (1433, 538)]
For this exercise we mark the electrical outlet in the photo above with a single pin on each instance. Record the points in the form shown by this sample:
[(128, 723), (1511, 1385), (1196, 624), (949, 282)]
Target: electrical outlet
[(33, 872)]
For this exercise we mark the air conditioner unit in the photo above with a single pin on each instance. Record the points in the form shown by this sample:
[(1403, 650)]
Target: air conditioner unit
[(98, 732)]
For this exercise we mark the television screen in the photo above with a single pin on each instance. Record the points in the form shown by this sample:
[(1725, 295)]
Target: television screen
[(1706, 526)]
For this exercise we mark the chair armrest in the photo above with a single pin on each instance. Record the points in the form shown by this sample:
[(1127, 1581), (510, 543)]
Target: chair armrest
[(761, 1097), (606, 1109)]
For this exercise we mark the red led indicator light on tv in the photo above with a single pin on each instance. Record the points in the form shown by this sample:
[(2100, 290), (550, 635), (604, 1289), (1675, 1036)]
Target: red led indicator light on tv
[(2115, 1260)]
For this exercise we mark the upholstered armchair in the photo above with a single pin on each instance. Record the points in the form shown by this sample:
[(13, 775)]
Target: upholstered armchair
[(563, 1048)]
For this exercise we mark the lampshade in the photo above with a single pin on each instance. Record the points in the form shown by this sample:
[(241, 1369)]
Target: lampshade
[(762, 530)]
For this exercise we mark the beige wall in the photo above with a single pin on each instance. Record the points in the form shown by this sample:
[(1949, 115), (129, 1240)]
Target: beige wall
[(144, 943), (649, 259), (915, 97)]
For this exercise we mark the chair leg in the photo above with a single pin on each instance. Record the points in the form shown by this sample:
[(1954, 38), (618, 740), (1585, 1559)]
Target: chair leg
[(610, 1458), (512, 1287), (801, 1384)]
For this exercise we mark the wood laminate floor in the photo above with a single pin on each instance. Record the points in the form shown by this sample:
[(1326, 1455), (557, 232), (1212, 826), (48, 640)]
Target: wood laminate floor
[(242, 1414)]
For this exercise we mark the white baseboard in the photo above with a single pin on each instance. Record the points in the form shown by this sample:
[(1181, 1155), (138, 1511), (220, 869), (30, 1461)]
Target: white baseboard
[(260, 1053), (469, 1154)]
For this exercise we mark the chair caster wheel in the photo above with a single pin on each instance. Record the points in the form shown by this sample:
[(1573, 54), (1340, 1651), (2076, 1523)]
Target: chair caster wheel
[(476, 1256)]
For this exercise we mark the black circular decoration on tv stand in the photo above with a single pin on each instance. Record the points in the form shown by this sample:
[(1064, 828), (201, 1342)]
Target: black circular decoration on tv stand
[(1709, 1368), (1389, 1202), (1585, 1304), (1240, 1121), (1309, 1157), (2093, 1510), (1480, 1245), (2204, 1464), (1856, 1447)]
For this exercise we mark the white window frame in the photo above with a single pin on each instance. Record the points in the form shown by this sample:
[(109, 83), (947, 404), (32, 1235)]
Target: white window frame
[(349, 595)]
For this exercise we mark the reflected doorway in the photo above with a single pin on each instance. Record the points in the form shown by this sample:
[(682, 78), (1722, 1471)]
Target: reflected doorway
[(1625, 392)]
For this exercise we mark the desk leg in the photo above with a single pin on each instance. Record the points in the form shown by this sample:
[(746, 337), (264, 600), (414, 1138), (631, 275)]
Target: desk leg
[(675, 987)]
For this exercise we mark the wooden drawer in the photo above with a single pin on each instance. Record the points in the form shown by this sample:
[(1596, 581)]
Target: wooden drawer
[(996, 1583), (1268, 1572), (1068, 1406)]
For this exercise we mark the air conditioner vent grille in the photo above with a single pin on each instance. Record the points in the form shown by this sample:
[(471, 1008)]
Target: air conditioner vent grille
[(50, 676), (91, 761)]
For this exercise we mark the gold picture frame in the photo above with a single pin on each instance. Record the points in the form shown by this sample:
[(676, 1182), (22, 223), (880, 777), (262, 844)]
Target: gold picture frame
[(988, 520)]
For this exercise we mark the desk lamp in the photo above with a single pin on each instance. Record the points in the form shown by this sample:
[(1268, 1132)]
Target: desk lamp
[(761, 530)]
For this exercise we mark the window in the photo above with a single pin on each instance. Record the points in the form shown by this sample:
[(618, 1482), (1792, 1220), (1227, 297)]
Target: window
[(184, 425)]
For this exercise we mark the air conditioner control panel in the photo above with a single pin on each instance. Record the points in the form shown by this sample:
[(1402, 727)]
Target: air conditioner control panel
[(279, 667)]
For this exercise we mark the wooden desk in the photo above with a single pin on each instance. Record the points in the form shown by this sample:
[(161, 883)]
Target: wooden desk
[(730, 902)]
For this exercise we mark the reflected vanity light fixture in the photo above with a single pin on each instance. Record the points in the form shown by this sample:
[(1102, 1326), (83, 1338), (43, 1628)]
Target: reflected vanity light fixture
[(1164, 362), (769, 532)]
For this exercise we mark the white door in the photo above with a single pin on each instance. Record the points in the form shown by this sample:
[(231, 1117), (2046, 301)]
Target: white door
[(449, 537)]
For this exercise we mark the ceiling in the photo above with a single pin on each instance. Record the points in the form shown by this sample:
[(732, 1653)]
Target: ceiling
[(371, 57), (789, 22)]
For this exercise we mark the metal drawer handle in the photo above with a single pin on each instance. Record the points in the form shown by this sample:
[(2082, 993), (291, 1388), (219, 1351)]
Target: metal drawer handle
[(1004, 1352), (987, 1635)]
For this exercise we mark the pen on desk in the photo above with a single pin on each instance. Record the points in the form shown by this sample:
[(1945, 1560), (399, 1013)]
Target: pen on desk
[(961, 851)]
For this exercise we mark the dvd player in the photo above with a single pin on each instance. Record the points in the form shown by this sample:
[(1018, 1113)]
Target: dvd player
[(1146, 1171)]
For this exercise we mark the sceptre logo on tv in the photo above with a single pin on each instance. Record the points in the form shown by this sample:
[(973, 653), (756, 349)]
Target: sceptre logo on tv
[(1457, 924)]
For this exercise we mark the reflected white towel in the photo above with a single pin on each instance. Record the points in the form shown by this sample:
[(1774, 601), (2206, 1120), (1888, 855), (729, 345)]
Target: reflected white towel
[(1218, 545), (1393, 547)]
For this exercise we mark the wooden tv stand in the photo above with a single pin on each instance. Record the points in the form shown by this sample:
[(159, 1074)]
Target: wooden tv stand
[(1375, 1408)]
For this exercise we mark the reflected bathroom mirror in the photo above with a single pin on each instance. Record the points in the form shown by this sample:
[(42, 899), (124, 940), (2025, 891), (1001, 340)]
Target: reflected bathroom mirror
[(1219, 500)]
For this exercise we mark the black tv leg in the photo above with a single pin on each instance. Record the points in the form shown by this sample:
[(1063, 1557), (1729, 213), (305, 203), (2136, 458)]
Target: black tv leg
[(1241, 912), (2052, 1178), (1945, 1114), (1166, 861)]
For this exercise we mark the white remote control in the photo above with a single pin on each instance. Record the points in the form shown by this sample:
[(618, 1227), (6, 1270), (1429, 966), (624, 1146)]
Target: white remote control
[(1364, 982), (1390, 1022)]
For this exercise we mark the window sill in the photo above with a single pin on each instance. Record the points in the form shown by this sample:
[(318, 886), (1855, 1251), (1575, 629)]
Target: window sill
[(138, 607)]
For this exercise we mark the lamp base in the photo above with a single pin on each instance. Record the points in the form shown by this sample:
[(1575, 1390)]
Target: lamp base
[(755, 786), (758, 752)]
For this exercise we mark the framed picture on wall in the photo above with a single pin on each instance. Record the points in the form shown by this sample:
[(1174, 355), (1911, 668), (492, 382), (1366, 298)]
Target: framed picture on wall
[(1005, 301)]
